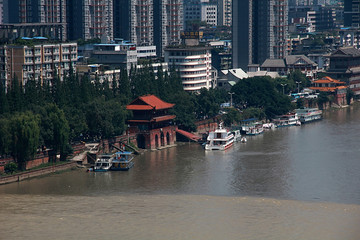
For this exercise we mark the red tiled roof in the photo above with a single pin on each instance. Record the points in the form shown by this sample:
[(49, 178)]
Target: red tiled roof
[(327, 89), (328, 80), (148, 102)]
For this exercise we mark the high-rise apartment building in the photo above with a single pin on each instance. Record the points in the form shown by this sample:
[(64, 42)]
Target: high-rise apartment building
[(89, 19), (168, 23), (149, 22), (351, 13), (260, 31), (225, 12), (36, 11), (40, 12), (1, 11)]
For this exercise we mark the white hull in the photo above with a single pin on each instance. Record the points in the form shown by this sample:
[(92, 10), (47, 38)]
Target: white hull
[(309, 114), (220, 139)]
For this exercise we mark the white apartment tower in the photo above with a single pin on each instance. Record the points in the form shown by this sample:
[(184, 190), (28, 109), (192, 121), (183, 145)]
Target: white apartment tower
[(142, 22), (171, 13), (98, 19)]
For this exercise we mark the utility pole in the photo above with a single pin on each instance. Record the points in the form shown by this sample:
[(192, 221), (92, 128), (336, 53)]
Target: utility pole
[(231, 93)]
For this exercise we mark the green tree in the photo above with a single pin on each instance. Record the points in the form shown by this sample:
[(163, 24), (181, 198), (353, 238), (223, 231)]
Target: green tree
[(232, 116), (57, 130), (25, 133), (10, 167), (4, 106), (260, 92), (184, 110), (5, 135), (349, 95), (15, 95)]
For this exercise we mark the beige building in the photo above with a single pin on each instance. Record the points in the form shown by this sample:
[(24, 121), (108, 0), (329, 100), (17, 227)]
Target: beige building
[(39, 61)]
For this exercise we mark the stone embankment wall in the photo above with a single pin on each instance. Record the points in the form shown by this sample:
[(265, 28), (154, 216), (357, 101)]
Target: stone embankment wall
[(34, 173)]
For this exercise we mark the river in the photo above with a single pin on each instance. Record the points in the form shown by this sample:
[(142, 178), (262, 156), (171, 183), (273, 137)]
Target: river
[(288, 183)]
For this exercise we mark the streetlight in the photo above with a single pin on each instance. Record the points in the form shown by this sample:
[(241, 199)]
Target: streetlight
[(298, 82), (231, 93), (283, 85)]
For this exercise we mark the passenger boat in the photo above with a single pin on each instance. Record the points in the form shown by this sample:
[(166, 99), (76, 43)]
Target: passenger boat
[(220, 139), (122, 161), (251, 127), (287, 120), (237, 135), (103, 163), (309, 114)]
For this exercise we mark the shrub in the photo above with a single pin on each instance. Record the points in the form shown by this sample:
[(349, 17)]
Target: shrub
[(10, 167)]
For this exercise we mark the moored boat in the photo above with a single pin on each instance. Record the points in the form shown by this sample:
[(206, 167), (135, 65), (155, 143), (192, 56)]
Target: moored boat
[(122, 161), (220, 139), (287, 120), (309, 114), (251, 127), (237, 135), (103, 163)]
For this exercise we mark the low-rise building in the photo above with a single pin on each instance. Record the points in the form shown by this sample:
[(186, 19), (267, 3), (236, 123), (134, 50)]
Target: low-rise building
[(345, 64), (332, 86), (115, 55), (151, 122), (291, 63)]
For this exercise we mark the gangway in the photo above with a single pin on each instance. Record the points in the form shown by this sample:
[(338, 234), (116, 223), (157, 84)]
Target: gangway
[(188, 135)]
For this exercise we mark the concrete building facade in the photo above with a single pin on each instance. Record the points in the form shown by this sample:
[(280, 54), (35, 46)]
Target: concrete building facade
[(260, 31), (36, 62), (89, 19), (225, 13), (194, 65)]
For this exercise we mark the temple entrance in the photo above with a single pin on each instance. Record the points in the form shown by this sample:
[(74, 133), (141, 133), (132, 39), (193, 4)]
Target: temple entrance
[(156, 141), (162, 139), (140, 140), (167, 139)]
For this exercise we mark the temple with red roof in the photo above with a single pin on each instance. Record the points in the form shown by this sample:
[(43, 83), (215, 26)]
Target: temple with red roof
[(332, 86), (152, 123)]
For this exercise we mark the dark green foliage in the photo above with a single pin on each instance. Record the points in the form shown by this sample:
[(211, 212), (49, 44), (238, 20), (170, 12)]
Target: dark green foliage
[(5, 135), (349, 95), (322, 99), (208, 103), (55, 130), (25, 133), (184, 110), (10, 167), (260, 92), (4, 106), (232, 115)]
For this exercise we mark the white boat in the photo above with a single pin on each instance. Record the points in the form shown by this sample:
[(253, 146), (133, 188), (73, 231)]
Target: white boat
[(103, 163), (309, 114), (251, 127), (243, 140), (254, 129), (237, 135), (287, 120), (220, 139)]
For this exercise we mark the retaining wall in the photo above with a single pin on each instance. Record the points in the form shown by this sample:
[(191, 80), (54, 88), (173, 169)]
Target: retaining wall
[(34, 173)]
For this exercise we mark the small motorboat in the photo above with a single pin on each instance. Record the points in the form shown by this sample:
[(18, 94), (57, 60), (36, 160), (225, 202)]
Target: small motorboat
[(243, 140)]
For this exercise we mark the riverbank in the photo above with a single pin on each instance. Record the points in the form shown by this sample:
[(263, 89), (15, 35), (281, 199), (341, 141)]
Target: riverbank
[(36, 172)]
